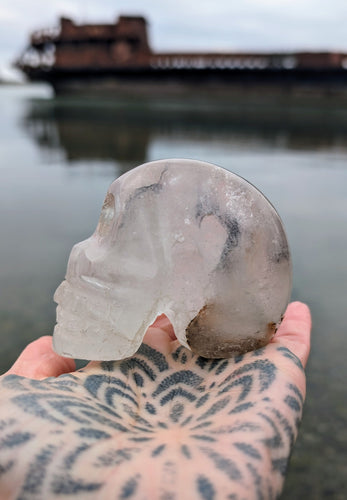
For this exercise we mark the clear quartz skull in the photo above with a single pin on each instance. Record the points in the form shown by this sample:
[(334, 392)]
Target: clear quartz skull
[(182, 238)]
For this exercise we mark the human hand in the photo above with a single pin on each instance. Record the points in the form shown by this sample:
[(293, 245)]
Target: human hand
[(163, 424)]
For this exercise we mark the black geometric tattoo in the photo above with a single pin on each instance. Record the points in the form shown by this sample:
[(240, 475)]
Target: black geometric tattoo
[(222, 412)]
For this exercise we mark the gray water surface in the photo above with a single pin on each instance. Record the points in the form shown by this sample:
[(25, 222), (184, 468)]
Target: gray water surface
[(58, 157)]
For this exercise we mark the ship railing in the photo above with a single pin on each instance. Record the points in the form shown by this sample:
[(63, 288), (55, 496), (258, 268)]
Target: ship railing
[(239, 62), (43, 36), (33, 58)]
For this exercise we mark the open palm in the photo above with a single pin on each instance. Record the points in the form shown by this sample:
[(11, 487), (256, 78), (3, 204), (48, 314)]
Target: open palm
[(163, 424)]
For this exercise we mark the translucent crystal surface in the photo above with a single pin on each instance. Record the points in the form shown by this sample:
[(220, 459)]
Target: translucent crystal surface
[(184, 238)]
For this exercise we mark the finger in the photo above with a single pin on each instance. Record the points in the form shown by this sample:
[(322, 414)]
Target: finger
[(38, 361), (160, 334), (164, 324), (295, 331)]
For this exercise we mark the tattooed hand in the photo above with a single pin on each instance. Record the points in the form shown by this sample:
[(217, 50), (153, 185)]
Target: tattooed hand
[(164, 424)]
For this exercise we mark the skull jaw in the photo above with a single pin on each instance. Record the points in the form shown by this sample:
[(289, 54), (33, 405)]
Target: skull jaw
[(107, 348), (100, 330)]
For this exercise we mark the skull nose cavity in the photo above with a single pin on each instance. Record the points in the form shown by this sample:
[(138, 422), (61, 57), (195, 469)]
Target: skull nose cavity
[(106, 216)]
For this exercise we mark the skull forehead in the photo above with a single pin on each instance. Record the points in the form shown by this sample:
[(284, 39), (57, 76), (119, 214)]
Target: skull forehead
[(160, 204), (176, 176), (178, 189), (162, 201)]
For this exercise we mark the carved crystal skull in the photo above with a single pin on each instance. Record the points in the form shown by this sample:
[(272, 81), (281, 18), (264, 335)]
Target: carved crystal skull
[(184, 238)]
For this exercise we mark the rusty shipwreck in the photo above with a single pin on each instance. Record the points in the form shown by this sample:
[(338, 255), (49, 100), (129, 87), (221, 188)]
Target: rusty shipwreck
[(118, 57)]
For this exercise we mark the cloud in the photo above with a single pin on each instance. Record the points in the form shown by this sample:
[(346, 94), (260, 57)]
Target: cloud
[(6, 14)]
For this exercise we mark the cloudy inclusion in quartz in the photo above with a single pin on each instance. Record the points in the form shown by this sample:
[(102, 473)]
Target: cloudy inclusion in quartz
[(182, 238)]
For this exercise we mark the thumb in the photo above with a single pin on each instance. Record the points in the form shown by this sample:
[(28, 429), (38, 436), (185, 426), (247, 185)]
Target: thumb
[(160, 335), (38, 361), (295, 331)]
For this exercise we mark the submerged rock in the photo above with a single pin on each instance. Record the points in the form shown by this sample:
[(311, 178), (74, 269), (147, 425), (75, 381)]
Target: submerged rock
[(184, 238)]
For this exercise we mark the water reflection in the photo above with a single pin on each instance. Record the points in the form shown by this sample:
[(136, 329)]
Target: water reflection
[(59, 156), (123, 131), (86, 133)]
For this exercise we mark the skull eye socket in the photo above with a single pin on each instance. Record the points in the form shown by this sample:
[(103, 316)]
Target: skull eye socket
[(107, 215)]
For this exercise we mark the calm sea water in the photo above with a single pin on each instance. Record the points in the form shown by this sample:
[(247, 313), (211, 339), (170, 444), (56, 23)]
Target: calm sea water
[(58, 156)]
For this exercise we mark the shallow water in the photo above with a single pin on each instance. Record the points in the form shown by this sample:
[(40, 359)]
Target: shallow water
[(58, 157)]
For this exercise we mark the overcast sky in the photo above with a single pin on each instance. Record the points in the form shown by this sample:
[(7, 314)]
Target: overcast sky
[(260, 25)]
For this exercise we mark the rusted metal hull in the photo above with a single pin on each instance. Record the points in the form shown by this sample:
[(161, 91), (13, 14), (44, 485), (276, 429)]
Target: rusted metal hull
[(178, 81)]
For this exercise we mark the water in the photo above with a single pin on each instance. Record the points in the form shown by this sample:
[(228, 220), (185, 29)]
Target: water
[(58, 157)]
